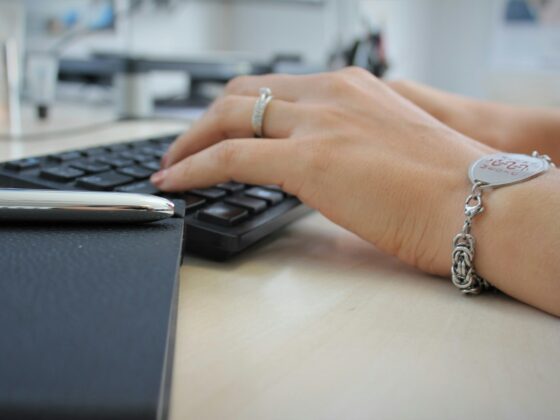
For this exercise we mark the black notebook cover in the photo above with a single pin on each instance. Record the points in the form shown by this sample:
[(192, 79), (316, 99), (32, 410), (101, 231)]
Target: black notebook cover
[(87, 319)]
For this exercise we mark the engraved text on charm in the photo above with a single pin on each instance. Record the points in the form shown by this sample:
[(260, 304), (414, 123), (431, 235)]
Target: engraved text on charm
[(506, 168)]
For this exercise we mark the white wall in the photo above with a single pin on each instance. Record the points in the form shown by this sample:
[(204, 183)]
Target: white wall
[(462, 46), (445, 43), (269, 28), (192, 28)]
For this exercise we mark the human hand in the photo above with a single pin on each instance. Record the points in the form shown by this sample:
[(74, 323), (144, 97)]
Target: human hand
[(345, 144)]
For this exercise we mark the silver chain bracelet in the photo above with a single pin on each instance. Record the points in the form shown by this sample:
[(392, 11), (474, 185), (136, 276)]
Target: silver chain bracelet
[(490, 171)]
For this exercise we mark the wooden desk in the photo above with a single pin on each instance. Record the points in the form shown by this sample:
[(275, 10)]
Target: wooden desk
[(316, 324)]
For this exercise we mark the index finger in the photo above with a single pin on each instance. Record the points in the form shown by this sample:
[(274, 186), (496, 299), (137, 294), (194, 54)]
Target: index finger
[(248, 161)]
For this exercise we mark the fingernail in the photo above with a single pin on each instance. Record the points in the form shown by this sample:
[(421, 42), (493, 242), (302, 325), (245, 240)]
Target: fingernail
[(164, 160), (158, 177)]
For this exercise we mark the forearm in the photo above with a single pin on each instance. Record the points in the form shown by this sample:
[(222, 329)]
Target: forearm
[(526, 129), (501, 126), (518, 241)]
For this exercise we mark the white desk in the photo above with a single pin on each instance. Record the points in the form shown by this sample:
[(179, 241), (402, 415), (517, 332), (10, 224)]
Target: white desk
[(316, 324)]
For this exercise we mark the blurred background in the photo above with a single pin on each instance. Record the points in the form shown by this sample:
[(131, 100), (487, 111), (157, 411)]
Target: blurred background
[(171, 57)]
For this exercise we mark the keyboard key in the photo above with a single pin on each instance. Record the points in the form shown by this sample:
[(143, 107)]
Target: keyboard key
[(154, 151), (91, 167), (135, 172), (271, 197), (94, 151), (160, 153), (164, 140), (209, 193), (61, 173), (193, 202), (118, 147), (135, 156), (22, 164), (223, 214), (152, 166), (142, 187), (65, 157), (137, 145), (115, 162), (272, 187), (254, 205), (231, 187), (104, 181)]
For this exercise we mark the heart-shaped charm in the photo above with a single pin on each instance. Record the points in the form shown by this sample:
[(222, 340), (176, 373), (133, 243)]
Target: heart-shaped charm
[(502, 169)]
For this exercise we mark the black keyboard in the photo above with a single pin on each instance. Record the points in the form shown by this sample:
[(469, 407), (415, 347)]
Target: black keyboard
[(220, 221)]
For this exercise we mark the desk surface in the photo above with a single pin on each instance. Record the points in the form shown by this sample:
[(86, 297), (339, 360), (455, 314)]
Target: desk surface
[(316, 324)]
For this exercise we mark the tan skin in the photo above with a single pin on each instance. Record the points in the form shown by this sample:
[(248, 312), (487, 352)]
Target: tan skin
[(375, 163), (509, 128)]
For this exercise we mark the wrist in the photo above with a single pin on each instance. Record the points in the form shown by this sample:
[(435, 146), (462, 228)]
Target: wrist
[(522, 130), (448, 188), (517, 240)]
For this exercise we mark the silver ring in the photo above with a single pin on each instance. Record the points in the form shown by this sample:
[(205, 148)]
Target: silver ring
[(257, 121)]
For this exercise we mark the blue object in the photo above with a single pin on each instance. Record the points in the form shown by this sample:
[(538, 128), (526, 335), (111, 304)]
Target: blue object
[(105, 18), (519, 11), (70, 18)]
